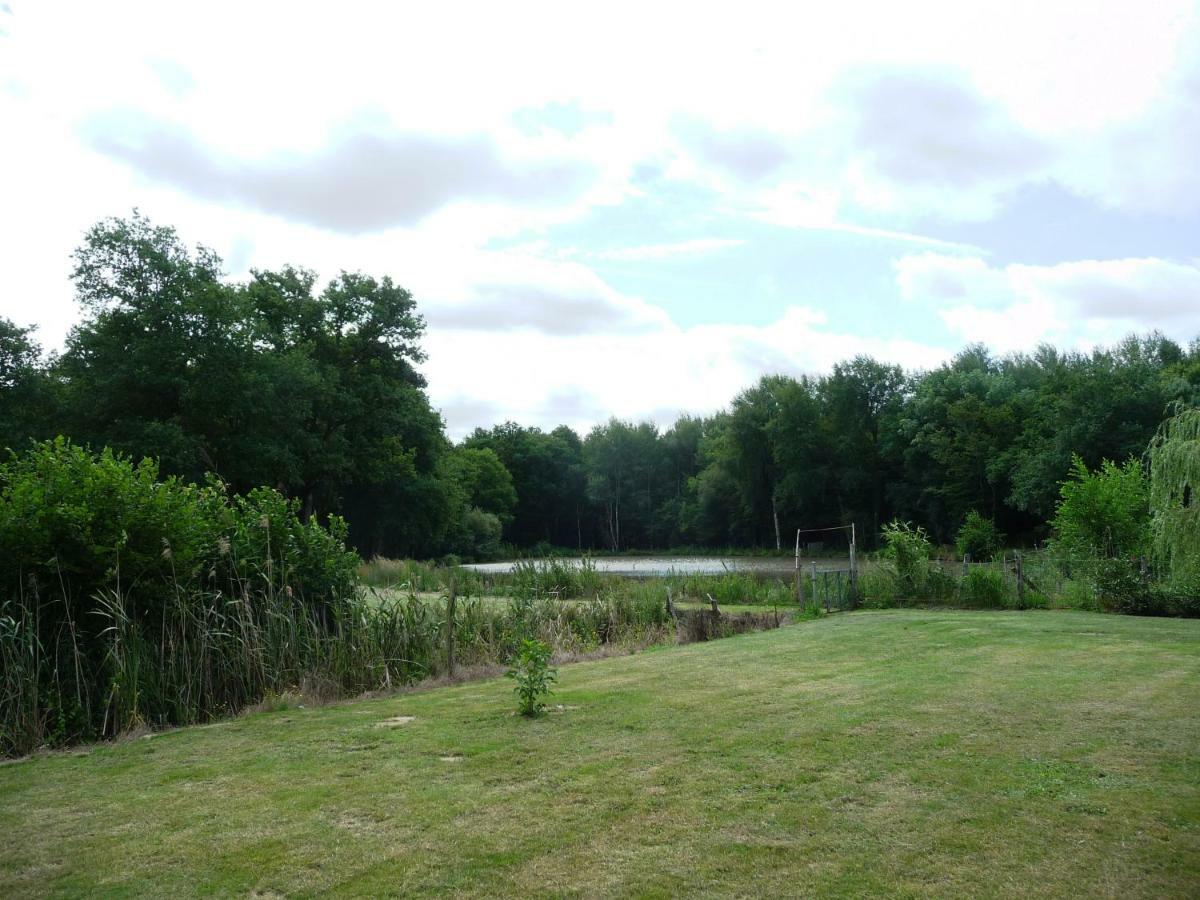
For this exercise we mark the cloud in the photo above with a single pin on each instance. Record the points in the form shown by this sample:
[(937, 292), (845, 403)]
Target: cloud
[(927, 127), (508, 307), (658, 373), (469, 412), (567, 118), (644, 252), (175, 78), (519, 292), (1148, 164), (949, 278), (748, 153), (359, 182), (1078, 303)]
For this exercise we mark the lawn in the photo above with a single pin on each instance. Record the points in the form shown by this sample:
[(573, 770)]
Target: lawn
[(907, 753)]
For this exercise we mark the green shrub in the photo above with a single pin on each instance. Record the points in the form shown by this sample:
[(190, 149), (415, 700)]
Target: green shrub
[(1123, 589), (909, 550), (879, 587), (126, 600), (984, 588), (1103, 514), (531, 670), (978, 537)]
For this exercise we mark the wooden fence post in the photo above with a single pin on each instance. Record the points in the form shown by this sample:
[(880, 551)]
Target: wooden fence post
[(799, 580), (1020, 583), (853, 565)]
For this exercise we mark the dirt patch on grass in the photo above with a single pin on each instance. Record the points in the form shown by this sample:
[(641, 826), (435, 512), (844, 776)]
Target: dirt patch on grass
[(395, 721)]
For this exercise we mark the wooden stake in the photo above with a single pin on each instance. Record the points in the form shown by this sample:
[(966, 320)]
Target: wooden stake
[(451, 602)]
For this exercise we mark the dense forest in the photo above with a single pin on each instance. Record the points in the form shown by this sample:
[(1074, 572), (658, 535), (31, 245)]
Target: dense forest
[(271, 381)]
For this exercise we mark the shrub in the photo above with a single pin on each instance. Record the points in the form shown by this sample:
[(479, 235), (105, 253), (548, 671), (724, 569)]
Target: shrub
[(909, 550), (984, 588), (1105, 513), (1123, 589), (978, 537), (480, 534), (879, 587), (126, 600), (531, 670)]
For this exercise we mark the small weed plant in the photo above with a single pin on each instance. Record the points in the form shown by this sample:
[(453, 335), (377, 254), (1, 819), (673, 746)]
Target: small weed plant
[(531, 670)]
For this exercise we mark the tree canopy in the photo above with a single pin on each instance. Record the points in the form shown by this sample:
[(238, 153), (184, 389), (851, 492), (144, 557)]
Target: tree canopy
[(314, 389)]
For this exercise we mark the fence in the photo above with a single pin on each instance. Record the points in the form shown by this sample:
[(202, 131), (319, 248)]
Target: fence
[(831, 588)]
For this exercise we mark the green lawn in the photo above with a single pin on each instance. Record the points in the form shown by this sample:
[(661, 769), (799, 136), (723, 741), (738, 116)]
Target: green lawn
[(907, 753)]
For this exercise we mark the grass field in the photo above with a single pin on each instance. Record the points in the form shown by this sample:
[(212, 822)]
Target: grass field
[(907, 753)]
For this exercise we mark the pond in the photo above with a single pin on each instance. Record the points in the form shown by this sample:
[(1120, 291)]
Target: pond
[(659, 566)]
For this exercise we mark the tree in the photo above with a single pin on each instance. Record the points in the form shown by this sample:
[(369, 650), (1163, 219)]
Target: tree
[(622, 479), (1174, 457), (267, 382), (485, 482), (960, 420), (24, 387), (1103, 514), (978, 537), (862, 401), (545, 469)]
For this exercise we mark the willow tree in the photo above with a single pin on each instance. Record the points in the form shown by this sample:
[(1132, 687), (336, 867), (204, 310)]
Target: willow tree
[(1175, 497)]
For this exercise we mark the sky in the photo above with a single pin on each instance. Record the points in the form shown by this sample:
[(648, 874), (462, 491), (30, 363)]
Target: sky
[(631, 209)]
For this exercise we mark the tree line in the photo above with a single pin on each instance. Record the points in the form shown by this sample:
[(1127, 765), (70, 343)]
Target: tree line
[(315, 392), (867, 444)]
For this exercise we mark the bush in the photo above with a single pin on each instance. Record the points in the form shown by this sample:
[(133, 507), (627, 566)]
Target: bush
[(531, 670), (909, 550), (126, 600), (479, 534), (1104, 514), (984, 588), (978, 537), (879, 587), (1123, 589)]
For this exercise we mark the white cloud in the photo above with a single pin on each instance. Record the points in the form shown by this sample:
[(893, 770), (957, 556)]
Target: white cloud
[(861, 118), (1079, 303), (515, 291), (644, 252), (653, 374)]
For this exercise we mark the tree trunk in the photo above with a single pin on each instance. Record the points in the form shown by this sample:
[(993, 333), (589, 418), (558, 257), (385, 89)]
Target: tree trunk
[(775, 516)]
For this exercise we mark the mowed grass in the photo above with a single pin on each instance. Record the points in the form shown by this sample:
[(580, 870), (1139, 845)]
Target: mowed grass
[(907, 753)]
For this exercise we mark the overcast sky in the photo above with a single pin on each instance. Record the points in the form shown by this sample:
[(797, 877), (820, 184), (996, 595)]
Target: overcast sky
[(637, 209)]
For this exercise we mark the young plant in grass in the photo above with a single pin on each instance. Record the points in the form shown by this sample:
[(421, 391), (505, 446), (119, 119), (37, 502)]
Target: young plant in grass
[(531, 670)]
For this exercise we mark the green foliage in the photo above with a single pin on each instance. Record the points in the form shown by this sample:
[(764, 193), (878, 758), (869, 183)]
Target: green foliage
[(984, 588), (909, 550), (561, 579), (531, 670), (548, 477), (1123, 588), (264, 382), (1174, 457), (978, 537), (276, 380), (128, 600), (1105, 513), (25, 388)]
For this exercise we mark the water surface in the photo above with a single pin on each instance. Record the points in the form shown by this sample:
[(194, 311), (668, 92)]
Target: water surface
[(659, 566)]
